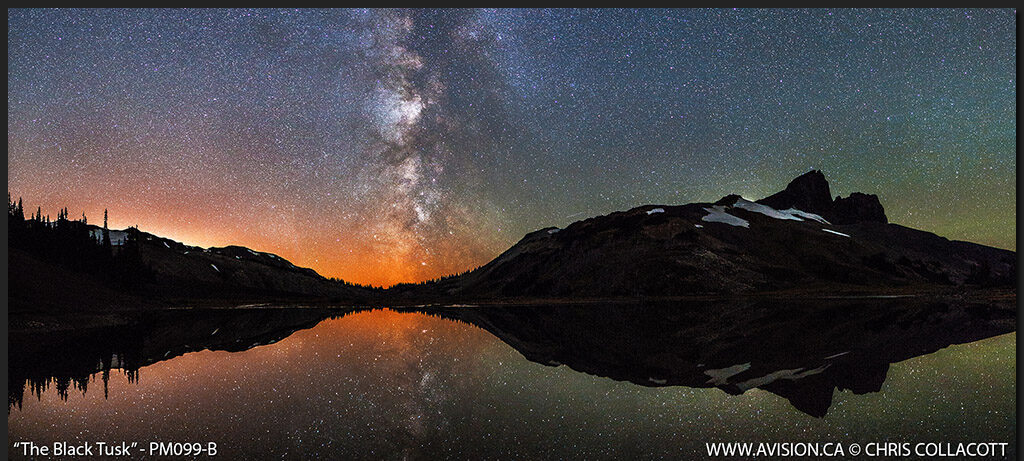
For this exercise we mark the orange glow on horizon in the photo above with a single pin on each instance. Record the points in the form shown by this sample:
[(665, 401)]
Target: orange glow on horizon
[(359, 264), (332, 249)]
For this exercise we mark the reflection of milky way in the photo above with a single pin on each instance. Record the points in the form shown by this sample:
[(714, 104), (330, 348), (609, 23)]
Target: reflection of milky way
[(386, 385), (383, 146), (374, 380)]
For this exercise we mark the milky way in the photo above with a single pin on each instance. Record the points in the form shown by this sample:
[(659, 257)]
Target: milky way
[(403, 183), (382, 146)]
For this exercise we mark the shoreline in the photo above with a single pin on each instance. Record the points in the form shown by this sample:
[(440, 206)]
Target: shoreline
[(28, 322)]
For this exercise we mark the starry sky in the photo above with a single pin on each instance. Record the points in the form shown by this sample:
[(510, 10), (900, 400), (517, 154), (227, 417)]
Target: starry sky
[(384, 146)]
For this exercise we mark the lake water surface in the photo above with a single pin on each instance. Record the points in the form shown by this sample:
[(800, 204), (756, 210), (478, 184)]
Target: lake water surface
[(533, 382)]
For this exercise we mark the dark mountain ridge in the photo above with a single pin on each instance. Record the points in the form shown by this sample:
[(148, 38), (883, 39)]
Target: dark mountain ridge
[(798, 239), (65, 267)]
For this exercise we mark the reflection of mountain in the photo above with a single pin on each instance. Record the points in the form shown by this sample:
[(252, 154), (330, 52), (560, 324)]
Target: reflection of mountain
[(70, 359), (800, 350)]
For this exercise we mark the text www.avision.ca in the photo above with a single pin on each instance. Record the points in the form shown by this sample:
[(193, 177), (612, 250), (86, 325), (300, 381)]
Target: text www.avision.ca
[(872, 449)]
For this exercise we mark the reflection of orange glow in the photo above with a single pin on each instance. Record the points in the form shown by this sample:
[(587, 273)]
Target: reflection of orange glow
[(405, 367), (386, 320), (355, 336)]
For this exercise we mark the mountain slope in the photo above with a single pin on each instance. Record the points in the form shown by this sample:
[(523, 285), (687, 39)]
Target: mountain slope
[(735, 246), (151, 271)]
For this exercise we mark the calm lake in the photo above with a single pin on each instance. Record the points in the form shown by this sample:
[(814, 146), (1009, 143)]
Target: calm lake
[(569, 382)]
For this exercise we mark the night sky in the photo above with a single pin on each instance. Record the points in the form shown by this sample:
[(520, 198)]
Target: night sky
[(389, 146)]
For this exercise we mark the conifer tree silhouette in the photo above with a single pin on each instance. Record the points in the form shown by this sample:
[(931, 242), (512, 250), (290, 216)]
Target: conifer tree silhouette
[(106, 233)]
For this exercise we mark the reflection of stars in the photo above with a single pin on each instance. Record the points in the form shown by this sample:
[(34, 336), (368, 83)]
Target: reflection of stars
[(381, 384)]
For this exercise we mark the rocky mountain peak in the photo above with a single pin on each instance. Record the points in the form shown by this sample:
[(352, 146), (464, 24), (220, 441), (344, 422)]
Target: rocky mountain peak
[(858, 207), (810, 192)]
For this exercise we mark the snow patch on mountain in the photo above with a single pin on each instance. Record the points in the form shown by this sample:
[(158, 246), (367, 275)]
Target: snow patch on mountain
[(720, 376), (117, 237), (804, 214), (765, 210), (717, 214), (792, 375), (792, 214), (834, 232)]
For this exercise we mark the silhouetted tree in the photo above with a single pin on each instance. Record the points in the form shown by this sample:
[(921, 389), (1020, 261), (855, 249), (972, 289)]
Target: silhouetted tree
[(106, 233)]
